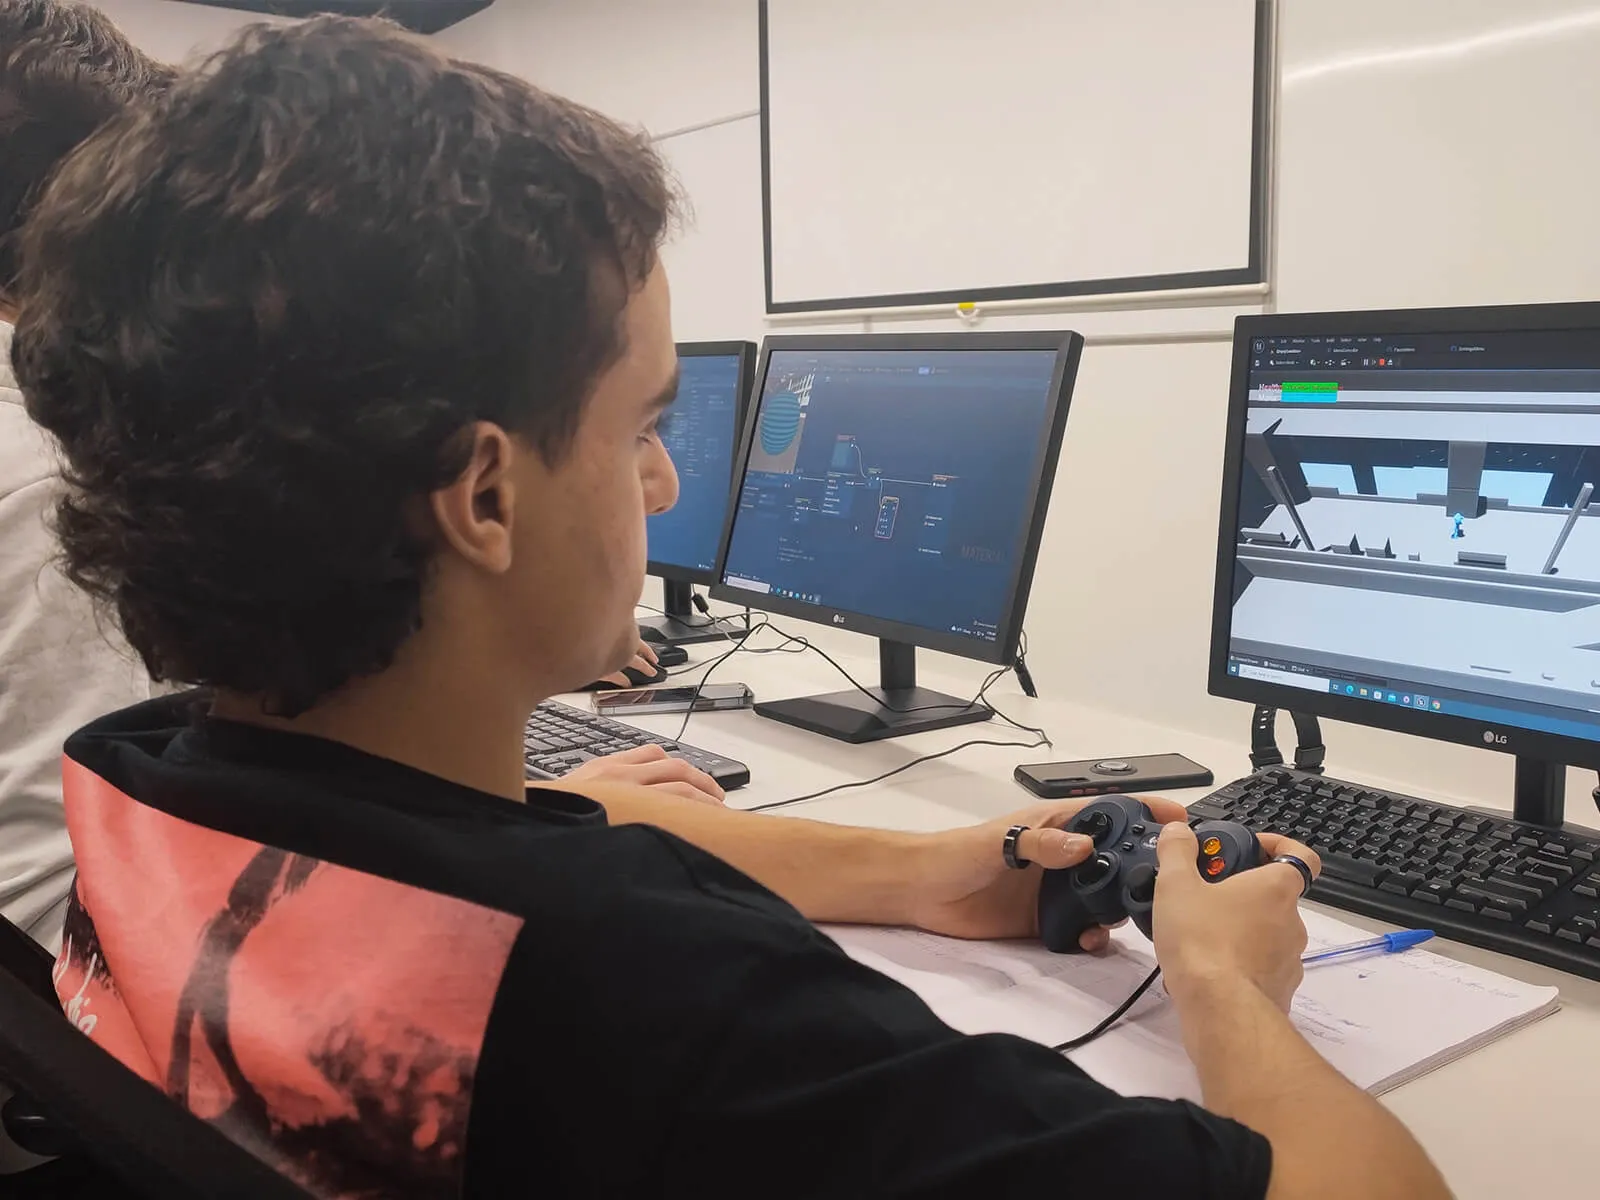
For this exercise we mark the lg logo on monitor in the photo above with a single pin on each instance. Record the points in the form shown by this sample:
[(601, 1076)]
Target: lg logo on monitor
[(1491, 738)]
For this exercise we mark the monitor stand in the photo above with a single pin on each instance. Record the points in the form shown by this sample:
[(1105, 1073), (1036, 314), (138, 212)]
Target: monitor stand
[(681, 625), (1539, 796), (894, 709)]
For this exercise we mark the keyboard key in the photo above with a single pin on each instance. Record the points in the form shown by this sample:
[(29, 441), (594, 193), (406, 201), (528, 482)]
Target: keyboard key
[(1490, 892), (1402, 882), (1207, 810), (1518, 886), (1353, 870), (1560, 871)]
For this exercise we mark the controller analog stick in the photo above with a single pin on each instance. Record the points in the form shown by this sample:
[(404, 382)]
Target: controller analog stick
[(1142, 884), (1096, 825), (1095, 871)]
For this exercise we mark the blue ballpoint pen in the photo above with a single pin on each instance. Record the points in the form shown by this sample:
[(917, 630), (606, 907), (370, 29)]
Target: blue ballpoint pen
[(1388, 943)]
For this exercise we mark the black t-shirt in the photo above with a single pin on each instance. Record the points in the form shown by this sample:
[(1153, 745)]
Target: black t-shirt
[(649, 1021)]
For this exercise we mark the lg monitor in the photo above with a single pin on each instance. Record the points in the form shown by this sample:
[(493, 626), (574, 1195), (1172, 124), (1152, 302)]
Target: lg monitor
[(1409, 535), (701, 433), (896, 485)]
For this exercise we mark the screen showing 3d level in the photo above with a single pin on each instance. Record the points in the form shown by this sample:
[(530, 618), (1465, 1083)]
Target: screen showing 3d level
[(894, 484), (1418, 526), (699, 434)]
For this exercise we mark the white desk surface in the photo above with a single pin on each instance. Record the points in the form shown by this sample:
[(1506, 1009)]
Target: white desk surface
[(1517, 1119)]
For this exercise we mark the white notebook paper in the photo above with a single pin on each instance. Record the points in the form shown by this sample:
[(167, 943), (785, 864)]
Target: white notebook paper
[(1381, 1020)]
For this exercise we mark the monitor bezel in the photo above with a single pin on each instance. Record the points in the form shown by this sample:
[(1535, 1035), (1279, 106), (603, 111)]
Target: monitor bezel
[(1068, 349), (1506, 739), (746, 354)]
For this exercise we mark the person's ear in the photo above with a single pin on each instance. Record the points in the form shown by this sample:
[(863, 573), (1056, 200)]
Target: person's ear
[(474, 512)]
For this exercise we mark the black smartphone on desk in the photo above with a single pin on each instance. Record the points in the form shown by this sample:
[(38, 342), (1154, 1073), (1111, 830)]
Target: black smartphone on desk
[(1113, 776)]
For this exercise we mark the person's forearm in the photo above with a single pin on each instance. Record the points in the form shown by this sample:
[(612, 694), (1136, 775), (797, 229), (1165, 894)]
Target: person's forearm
[(837, 873), (1329, 1138)]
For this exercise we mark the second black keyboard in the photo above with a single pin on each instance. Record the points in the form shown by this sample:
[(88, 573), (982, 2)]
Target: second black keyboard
[(560, 738), (1489, 881)]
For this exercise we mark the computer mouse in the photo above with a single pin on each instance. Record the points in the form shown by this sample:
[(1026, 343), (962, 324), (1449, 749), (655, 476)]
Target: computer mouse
[(671, 656), (635, 677)]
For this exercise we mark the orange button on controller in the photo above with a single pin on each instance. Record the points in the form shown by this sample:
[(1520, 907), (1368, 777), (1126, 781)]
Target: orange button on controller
[(1215, 867), (1212, 845)]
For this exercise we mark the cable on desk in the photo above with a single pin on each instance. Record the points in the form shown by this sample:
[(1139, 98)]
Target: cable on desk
[(791, 644), (915, 762), (1120, 1012), (802, 644)]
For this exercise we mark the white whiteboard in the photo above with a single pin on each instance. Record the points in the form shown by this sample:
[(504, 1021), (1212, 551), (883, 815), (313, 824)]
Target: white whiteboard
[(1111, 146)]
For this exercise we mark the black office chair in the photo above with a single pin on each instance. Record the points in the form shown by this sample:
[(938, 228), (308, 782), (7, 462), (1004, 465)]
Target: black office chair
[(104, 1125)]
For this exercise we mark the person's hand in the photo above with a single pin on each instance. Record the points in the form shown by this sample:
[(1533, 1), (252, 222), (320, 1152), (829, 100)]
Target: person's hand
[(1246, 928), (651, 767), (644, 661), (964, 888)]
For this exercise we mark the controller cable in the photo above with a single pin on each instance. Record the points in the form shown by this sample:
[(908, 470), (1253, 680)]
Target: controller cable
[(793, 643), (1121, 1011)]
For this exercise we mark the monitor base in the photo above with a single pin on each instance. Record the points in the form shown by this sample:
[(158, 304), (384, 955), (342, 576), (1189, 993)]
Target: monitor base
[(671, 631), (858, 717), (680, 625)]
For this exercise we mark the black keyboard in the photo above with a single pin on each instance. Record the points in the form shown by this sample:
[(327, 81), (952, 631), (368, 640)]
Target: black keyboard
[(1523, 890), (560, 738)]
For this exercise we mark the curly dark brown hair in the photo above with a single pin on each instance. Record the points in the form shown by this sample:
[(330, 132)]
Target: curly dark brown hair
[(259, 314), (64, 71)]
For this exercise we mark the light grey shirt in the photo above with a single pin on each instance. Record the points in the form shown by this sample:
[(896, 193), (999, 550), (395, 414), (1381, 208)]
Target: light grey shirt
[(59, 670)]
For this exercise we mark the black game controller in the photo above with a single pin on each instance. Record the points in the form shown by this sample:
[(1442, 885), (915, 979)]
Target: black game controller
[(1120, 880)]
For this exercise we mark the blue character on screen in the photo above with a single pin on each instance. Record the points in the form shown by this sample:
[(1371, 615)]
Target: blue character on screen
[(1458, 531)]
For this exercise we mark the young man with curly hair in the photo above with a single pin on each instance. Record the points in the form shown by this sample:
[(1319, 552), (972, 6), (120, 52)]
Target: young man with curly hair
[(356, 355), (64, 70)]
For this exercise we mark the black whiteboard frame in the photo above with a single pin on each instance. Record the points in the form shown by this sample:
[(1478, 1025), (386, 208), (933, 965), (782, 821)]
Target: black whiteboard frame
[(1253, 273)]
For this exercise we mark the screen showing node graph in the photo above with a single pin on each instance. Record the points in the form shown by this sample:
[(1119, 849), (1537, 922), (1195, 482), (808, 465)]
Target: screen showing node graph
[(1418, 524), (894, 484), (699, 433)]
